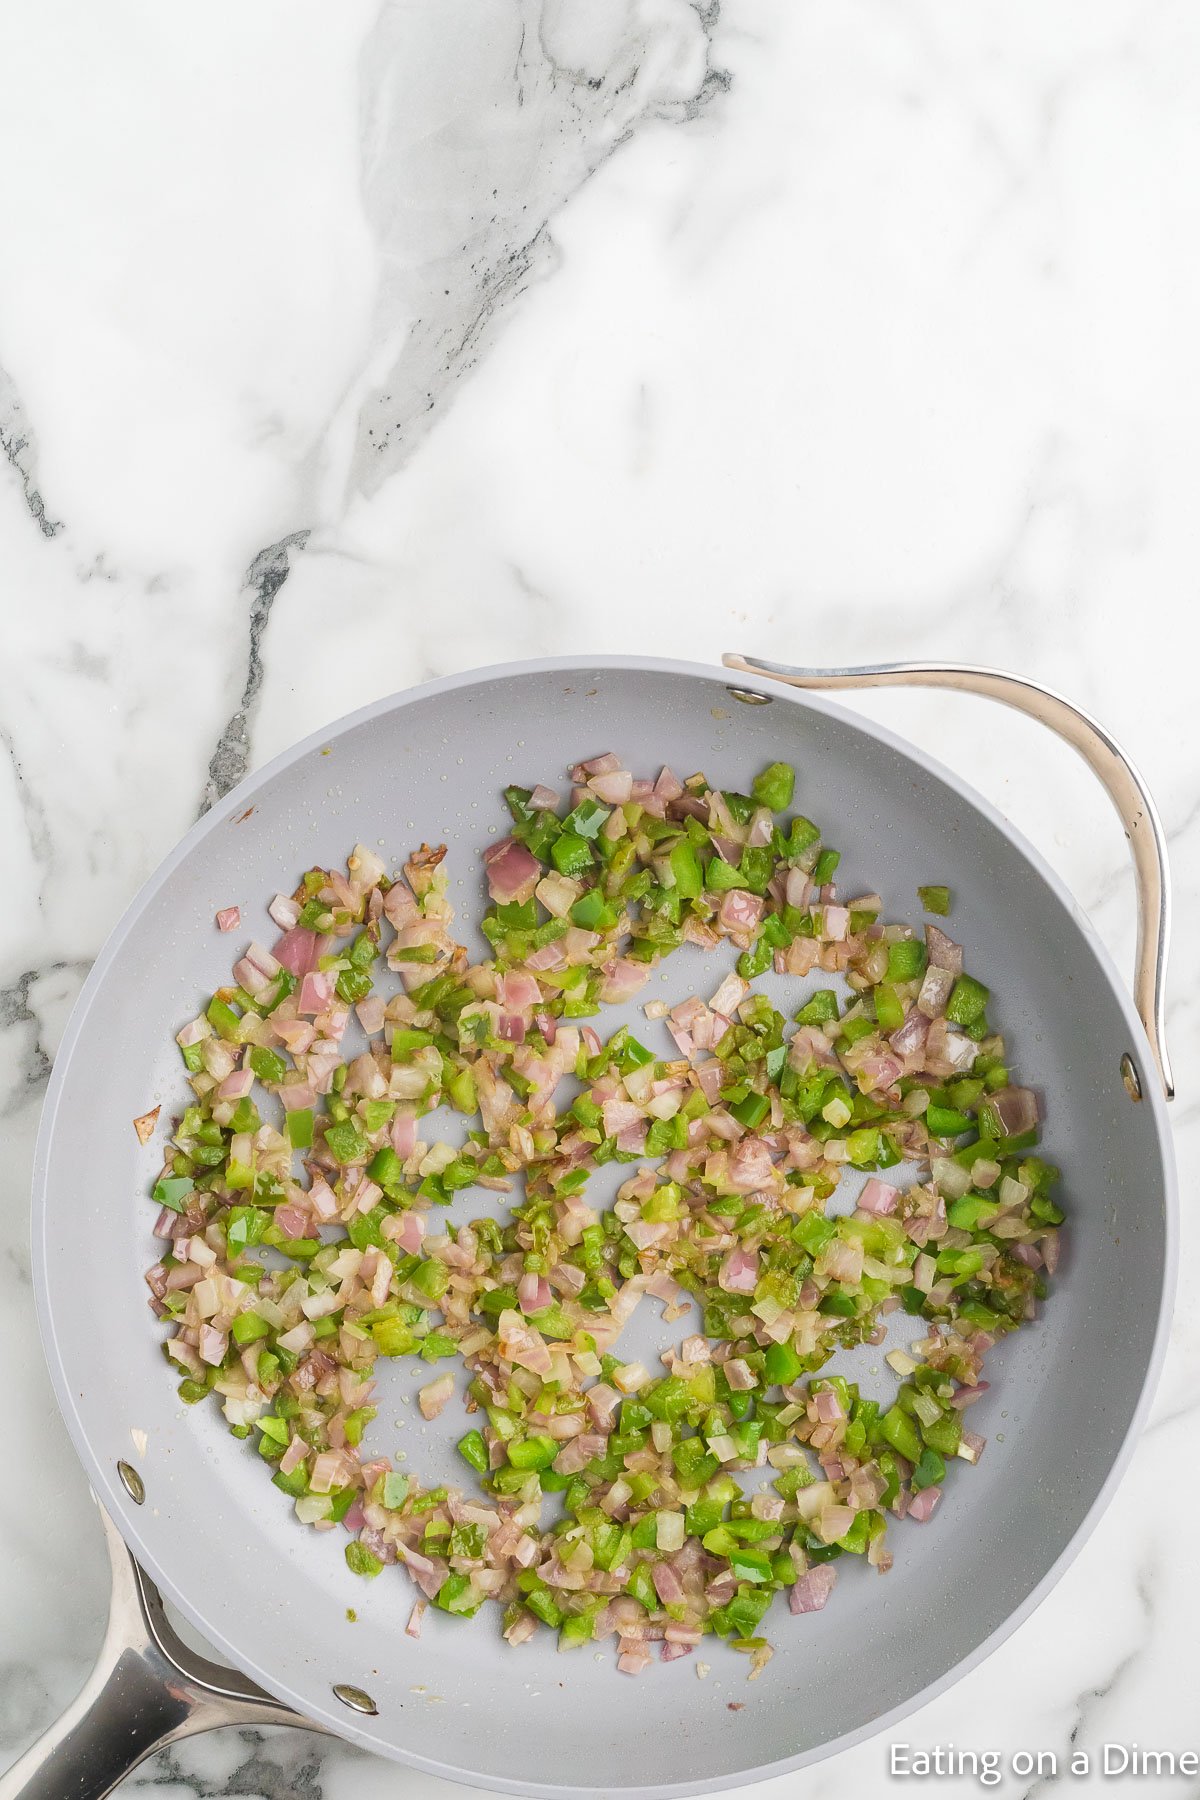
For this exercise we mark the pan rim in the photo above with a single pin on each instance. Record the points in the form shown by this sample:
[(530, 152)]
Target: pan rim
[(124, 1512)]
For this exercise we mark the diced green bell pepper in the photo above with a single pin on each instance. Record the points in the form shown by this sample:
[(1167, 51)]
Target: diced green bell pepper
[(592, 912), (172, 1191), (968, 1001), (473, 1450), (775, 786), (685, 867), (906, 959), (362, 1561), (901, 1433), (532, 1452), (819, 1009), (248, 1327), (946, 1121), (571, 854)]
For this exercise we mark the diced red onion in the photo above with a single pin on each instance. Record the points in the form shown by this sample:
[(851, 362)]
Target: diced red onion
[(740, 911), (835, 923), (250, 978), (284, 911), (944, 953), (518, 993), (667, 1584), (533, 1293), (292, 1220), (297, 950), (911, 1036), (293, 1456), (750, 1166), (726, 1000), (827, 1406), (316, 992), (644, 1234), (878, 1197), (813, 1589), (618, 1113), (762, 824), (1016, 1109), (404, 1135), (370, 1013), (739, 1272), (935, 991), (798, 891), (262, 960), (710, 1077), (236, 1086), (623, 979), (967, 1396), (614, 788), (550, 956), (399, 905), (512, 872)]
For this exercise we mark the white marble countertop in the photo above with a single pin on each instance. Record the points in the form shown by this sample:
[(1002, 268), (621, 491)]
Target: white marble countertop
[(345, 346)]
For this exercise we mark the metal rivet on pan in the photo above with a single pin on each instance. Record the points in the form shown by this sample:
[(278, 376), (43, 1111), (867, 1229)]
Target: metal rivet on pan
[(1131, 1078), (132, 1482), (355, 1699), (748, 697)]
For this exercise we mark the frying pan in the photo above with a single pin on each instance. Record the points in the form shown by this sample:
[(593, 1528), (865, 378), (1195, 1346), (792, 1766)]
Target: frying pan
[(190, 1516)]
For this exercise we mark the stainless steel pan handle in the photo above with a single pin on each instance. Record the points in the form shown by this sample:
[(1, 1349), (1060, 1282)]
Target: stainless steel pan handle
[(147, 1690), (1125, 786)]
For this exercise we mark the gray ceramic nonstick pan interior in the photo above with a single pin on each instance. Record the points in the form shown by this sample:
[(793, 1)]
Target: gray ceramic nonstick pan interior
[(221, 1543)]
